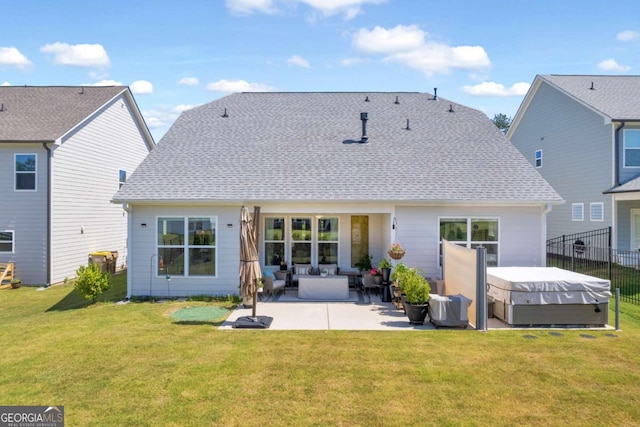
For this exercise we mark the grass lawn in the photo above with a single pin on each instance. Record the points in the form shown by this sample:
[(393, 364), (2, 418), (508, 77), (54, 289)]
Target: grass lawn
[(124, 365)]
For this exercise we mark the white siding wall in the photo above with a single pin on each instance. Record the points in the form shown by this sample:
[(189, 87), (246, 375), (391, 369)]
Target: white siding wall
[(85, 178), (521, 240), (25, 212), (577, 156)]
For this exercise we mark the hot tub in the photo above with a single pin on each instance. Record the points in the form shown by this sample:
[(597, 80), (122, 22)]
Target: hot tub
[(548, 296)]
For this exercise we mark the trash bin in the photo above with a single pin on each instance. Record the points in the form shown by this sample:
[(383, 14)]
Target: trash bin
[(101, 258), (114, 262)]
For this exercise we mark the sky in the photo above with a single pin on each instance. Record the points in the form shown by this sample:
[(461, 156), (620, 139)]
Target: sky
[(175, 55)]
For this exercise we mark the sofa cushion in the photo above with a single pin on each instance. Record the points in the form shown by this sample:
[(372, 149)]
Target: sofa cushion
[(302, 269), (269, 273)]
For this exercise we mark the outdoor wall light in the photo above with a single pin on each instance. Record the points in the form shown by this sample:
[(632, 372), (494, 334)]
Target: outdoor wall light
[(229, 225), (143, 225)]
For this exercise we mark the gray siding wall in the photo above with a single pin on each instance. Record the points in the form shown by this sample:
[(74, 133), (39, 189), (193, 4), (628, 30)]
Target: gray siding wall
[(25, 213), (577, 156), (85, 178), (623, 226), (521, 240)]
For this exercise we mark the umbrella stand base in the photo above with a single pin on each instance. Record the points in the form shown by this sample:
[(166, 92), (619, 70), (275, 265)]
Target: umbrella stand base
[(249, 322)]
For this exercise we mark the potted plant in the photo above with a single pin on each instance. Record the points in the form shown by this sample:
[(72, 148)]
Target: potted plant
[(15, 283), (385, 267), (364, 263), (377, 276), (396, 251), (416, 295), (324, 272)]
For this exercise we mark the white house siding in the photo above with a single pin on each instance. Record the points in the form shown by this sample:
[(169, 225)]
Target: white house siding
[(521, 241), (25, 213), (85, 177), (577, 156)]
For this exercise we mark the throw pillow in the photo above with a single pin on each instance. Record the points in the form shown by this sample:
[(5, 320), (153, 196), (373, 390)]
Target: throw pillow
[(269, 274)]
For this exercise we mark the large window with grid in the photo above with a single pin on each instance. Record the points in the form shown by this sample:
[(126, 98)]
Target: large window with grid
[(472, 233), (274, 238), (187, 246), (328, 239)]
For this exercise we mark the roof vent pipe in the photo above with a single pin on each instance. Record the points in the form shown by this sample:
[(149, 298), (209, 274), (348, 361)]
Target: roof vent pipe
[(2, 107), (225, 115), (364, 117), (82, 90), (451, 108), (591, 88), (408, 128), (396, 101), (435, 93), (366, 99)]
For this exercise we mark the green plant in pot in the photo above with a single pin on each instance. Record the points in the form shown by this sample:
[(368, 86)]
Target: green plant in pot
[(364, 263), (415, 289), (385, 267), (401, 268)]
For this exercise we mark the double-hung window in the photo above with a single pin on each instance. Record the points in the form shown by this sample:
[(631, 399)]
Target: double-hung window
[(274, 236), (187, 246), (328, 236), (632, 147), (472, 233), (7, 242), (301, 234), (122, 177), (25, 172), (538, 158)]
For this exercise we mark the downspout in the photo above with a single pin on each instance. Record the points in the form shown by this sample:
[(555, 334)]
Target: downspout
[(617, 152), (127, 209), (48, 244), (546, 210)]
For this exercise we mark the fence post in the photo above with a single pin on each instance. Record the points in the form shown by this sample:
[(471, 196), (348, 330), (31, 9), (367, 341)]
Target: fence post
[(564, 249), (610, 269), (617, 309)]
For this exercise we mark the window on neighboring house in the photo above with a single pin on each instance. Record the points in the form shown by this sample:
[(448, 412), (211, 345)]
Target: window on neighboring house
[(274, 237), (538, 158), (187, 246), (25, 172), (301, 240), (577, 211), (328, 236), (122, 177), (632, 147), (597, 211), (6, 241), (472, 233)]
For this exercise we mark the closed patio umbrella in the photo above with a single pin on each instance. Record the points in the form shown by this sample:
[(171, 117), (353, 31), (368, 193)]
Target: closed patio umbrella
[(250, 271)]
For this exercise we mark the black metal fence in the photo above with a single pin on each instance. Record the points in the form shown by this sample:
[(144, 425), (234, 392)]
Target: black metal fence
[(591, 253)]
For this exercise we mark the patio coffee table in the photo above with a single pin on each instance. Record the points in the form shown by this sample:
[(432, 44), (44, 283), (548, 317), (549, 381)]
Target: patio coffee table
[(323, 288)]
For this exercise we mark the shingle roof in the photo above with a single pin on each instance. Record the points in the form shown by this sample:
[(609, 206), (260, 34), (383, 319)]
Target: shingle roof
[(617, 97), (44, 113), (291, 147)]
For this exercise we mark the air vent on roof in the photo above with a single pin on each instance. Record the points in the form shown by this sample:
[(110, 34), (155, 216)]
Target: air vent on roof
[(592, 88), (435, 94), (82, 90), (396, 101), (366, 99), (364, 117), (451, 108), (225, 115), (2, 107), (408, 128)]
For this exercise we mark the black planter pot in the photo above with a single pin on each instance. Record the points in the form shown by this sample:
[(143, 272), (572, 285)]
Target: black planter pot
[(386, 272), (416, 313)]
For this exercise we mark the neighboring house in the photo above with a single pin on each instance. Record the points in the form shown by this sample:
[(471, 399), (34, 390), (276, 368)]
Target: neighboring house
[(64, 152), (429, 168), (582, 133)]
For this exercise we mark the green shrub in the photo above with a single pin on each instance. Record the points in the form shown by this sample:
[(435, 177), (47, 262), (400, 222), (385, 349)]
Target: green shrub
[(91, 281), (401, 267), (414, 286)]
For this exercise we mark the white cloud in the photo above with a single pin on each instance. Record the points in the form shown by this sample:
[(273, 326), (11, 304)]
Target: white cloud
[(12, 57), (79, 55), (182, 107), (407, 45), (299, 61), (231, 86), (189, 81), (248, 7), (497, 89), (350, 8), (6, 84), (611, 65), (628, 35), (163, 116), (141, 87), (104, 83), (347, 62)]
